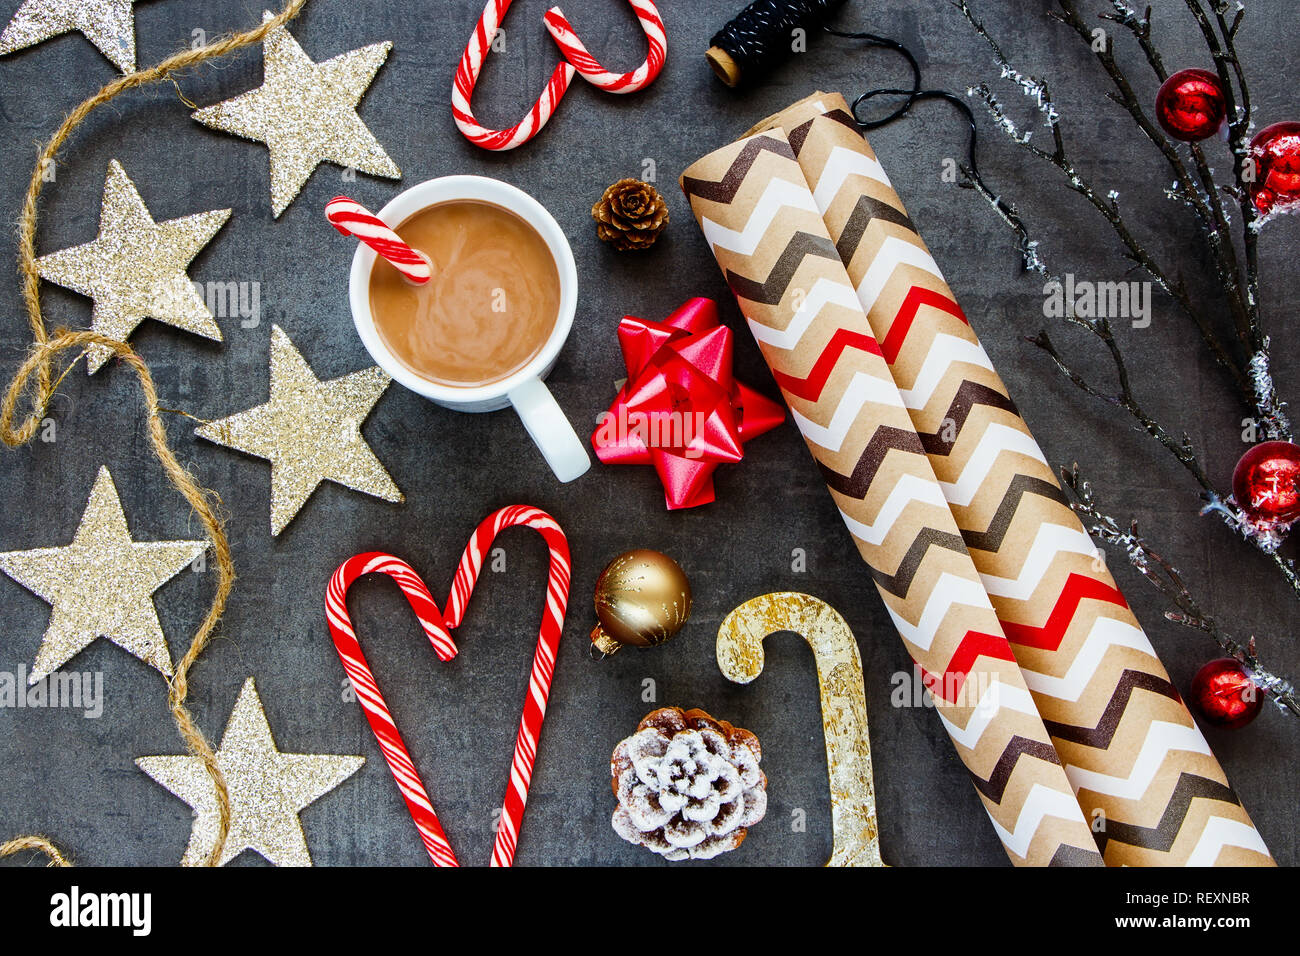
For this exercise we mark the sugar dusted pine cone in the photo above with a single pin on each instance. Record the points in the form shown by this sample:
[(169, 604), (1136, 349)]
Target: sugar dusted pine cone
[(630, 215), (688, 786)]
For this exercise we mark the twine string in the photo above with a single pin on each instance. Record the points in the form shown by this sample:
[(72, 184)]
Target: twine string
[(35, 380), (36, 844)]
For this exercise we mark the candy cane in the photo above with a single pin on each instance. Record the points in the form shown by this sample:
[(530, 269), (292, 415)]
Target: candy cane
[(587, 65), (471, 64), (367, 691), (353, 219), (436, 628), (548, 640)]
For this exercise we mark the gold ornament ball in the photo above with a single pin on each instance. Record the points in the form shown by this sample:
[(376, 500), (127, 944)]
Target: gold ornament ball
[(642, 599)]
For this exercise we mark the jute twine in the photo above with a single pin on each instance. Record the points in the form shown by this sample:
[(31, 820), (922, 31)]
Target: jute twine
[(36, 379)]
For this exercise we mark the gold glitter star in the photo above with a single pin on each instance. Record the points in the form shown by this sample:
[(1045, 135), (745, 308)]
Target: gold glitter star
[(108, 24), (101, 585), (135, 268), (306, 113), (310, 431), (267, 788)]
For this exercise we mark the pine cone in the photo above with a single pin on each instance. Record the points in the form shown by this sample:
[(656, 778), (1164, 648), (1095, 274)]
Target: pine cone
[(687, 785), (630, 215)]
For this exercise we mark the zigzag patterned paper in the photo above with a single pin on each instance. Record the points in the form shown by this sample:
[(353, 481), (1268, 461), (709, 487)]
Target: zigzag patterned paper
[(1141, 769), (764, 228)]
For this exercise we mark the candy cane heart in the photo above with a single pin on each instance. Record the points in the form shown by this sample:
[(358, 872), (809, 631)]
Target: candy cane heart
[(367, 691), (576, 53), (471, 64), (436, 628), (548, 640), (844, 706)]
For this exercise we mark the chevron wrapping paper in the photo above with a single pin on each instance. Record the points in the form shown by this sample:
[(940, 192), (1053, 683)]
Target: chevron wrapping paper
[(1143, 773), (763, 227)]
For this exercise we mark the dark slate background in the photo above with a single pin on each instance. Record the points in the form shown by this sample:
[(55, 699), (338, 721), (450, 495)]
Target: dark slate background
[(74, 778)]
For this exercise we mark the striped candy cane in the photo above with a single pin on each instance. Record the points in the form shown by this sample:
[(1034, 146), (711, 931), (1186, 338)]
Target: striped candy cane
[(471, 64), (367, 691), (548, 641), (432, 621), (353, 219), (590, 69)]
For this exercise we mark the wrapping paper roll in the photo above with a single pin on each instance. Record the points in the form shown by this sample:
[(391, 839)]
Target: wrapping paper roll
[(1142, 771), (763, 227)]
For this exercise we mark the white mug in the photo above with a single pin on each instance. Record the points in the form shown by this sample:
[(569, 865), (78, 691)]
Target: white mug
[(541, 415)]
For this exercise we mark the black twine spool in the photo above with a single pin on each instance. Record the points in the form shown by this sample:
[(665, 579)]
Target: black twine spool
[(762, 34)]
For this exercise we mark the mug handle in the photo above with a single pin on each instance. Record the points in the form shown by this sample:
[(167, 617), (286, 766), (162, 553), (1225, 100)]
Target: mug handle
[(550, 429)]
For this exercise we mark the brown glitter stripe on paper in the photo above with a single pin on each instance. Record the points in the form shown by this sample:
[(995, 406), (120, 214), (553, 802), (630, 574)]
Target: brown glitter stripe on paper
[(764, 229), (1135, 757)]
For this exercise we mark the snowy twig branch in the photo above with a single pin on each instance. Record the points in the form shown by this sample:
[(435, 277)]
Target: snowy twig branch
[(1169, 582)]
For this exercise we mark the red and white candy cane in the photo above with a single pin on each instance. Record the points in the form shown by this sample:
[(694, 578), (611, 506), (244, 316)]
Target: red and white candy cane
[(367, 691), (548, 642), (471, 64), (576, 53), (436, 629), (353, 219)]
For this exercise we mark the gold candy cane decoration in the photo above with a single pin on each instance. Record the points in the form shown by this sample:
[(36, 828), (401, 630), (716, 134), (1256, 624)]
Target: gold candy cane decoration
[(844, 705)]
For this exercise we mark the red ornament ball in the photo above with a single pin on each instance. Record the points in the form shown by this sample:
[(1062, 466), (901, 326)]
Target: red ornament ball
[(1266, 482), (1191, 106), (1276, 151), (1225, 695)]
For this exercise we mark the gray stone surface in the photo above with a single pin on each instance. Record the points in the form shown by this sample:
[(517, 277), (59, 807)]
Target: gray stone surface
[(74, 778)]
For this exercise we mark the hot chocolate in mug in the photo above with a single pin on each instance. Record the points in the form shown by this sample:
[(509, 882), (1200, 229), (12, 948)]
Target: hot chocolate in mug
[(475, 310)]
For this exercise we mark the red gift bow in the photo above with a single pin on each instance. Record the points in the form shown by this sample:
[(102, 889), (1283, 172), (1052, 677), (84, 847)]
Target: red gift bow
[(681, 410)]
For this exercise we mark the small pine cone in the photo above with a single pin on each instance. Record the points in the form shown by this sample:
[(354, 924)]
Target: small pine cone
[(630, 215), (687, 785)]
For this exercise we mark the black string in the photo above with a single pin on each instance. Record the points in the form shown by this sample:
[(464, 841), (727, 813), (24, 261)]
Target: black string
[(916, 95), (912, 95), (760, 37)]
